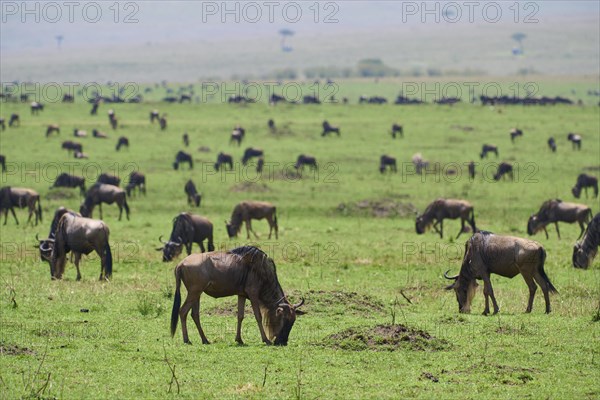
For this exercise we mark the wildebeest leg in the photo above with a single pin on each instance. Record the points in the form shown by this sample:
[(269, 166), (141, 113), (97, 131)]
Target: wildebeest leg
[(441, 228), (557, 231), (12, 210), (100, 209), (462, 227), (192, 298), (488, 291), (249, 229), (188, 248), (196, 318), (258, 316), (582, 229), (201, 243), (240, 318), (77, 257), (532, 288), (546, 232), (543, 284)]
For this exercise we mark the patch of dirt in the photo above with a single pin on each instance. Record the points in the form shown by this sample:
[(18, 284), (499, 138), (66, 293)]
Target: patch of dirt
[(62, 194), (505, 374), (250, 187), (14, 350), (385, 338), (592, 168), (204, 149), (430, 376), (381, 208), (464, 128)]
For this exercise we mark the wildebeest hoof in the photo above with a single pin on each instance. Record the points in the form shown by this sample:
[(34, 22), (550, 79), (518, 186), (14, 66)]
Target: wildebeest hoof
[(187, 342), (486, 312), (267, 342)]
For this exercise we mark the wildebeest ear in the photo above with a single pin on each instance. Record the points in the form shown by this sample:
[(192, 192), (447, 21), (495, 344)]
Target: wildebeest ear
[(279, 311)]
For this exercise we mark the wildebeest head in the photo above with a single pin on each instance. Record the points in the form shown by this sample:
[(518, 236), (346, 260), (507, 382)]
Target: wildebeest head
[(45, 246), (420, 225), (232, 231), (176, 166), (85, 210), (170, 249), (464, 290), (576, 191), (281, 325), (534, 224), (580, 259)]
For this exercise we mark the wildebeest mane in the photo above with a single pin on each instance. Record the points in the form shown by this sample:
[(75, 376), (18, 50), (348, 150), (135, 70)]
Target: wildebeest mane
[(182, 228), (258, 268)]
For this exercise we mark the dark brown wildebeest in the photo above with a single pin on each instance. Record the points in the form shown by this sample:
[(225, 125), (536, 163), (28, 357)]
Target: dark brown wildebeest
[(271, 125), (584, 181), (104, 193), (81, 236), (3, 162), (187, 229), (11, 197), (224, 159), (552, 144), (99, 135), (246, 211), (503, 169), (193, 197), (397, 129), (303, 160), (441, 209), (386, 161), (327, 129), (108, 179), (162, 122), (186, 140), (237, 135), (575, 140), (123, 141), (154, 115), (260, 165), (53, 128), (514, 133), (508, 256), (94, 110), (3, 124), (488, 148), (69, 145), (182, 157), (14, 120), (471, 170), (79, 133), (46, 245), (419, 163), (555, 211), (185, 97), (585, 250), (112, 119), (68, 98), (250, 153), (36, 108), (246, 272), (69, 181), (136, 180)]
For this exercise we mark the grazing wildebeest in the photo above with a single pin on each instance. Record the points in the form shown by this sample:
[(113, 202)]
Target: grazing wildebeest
[(246, 272), (303, 160), (79, 133), (503, 169), (419, 163), (3, 162), (187, 229), (36, 108), (186, 139), (584, 181), (3, 124), (441, 209), (104, 193), (68, 98), (250, 153), (69, 181), (108, 179), (51, 129), (163, 122), (14, 120), (249, 210), (181, 157), (112, 119), (237, 135), (69, 145), (555, 211), (508, 256), (223, 158), (385, 162), (11, 197), (271, 125), (123, 141), (575, 140), (552, 144), (471, 170), (585, 250), (185, 97), (327, 129), (488, 148), (100, 135), (193, 197), (46, 245), (136, 180), (154, 115), (514, 133), (94, 110), (81, 236), (397, 129)]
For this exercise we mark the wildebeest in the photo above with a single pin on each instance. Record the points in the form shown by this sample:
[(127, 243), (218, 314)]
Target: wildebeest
[(3, 162), (154, 115), (46, 245), (327, 129), (397, 129), (246, 272), (94, 110), (271, 125), (441, 209), (187, 229), (237, 135), (99, 135), (163, 122), (508, 256), (36, 108), (68, 98), (222, 159), (250, 153), (11, 197), (488, 148), (2, 123), (52, 129), (514, 133), (182, 157), (79, 133), (246, 211), (575, 140), (552, 144), (123, 141), (70, 181), (584, 181), (108, 179), (419, 163), (112, 119), (14, 120), (385, 162), (303, 160), (104, 193), (471, 170), (555, 211), (503, 169), (585, 250), (136, 180), (186, 139), (193, 197), (82, 236), (69, 145)]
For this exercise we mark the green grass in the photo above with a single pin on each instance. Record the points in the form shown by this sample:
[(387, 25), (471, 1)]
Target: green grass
[(352, 268)]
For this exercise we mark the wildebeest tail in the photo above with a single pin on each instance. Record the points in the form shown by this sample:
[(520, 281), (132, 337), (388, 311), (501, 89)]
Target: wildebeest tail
[(109, 261), (39, 208), (551, 287), (176, 301)]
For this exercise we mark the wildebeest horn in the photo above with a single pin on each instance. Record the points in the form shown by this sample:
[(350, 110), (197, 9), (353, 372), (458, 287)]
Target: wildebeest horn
[(450, 277), (160, 239), (36, 237), (299, 304)]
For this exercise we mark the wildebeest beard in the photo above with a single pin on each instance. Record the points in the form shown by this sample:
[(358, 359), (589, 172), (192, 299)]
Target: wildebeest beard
[(282, 337)]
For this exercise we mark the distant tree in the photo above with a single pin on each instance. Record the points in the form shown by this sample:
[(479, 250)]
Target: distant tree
[(519, 37)]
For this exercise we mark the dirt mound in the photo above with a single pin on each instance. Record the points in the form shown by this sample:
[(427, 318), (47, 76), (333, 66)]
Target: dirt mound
[(385, 338), (382, 208), (14, 350), (250, 187)]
